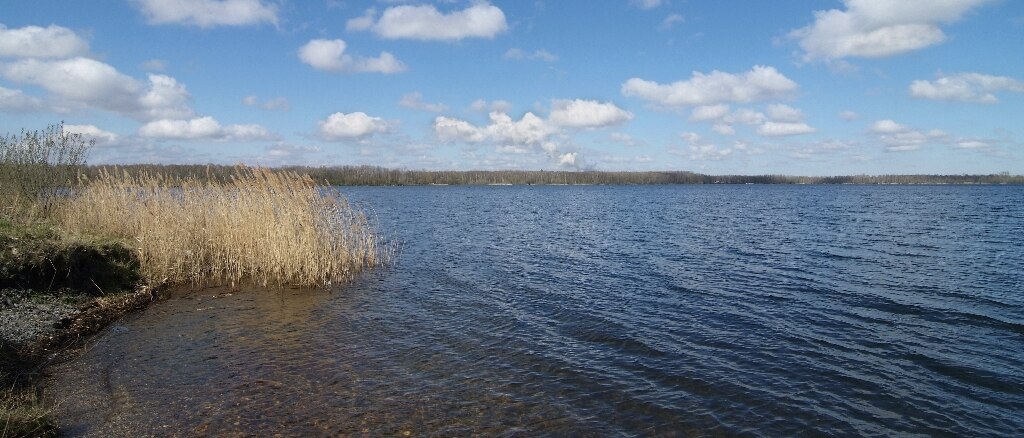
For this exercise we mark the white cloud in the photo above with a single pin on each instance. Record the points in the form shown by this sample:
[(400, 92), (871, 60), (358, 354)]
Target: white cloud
[(709, 152), (901, 138), (537, 55), (364, 22), (79, 79), (759, 83), (782, 129), (425, 22), (501, 106), (509, 136), (744, 116), (17, 101), (699, 150), (530, 129), (250, 132), (450, 129), (887, 127), (91, 132), (41, 42), (165, 99), (533, 133), (709, 112), (569, 159), (580, 113), (329, 55), (971, 144), (275, 104), (624, 139), (966, 87), (849, 115), (95, 84), (670, 21), (208, 13), (203, 128), (414, 100), (879, 28), (784, 113), (646, 4), (724, 129), (341, 126)]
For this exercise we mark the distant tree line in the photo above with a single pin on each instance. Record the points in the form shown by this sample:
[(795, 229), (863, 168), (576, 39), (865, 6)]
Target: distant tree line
[(381, 176)]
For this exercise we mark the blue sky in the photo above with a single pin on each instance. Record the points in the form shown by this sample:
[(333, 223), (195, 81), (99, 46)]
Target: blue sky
[(795, 87)]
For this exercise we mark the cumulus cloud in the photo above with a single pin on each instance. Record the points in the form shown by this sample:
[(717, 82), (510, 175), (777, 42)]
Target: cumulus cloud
[(41, 42), (723, 129), (849, 115), (79, 79), (91, 132), (425, 22), (275, 104), (781, 120), (17, 101), (533, 133), (784, 113), (361, 23), (782, 129), (415, 101), (699, 150), (879, 28), (901, 138), (887, 127), (971, 144), (965, 87), (709, 112), (537, 55), (329, 55), (529, 130), (95, 84), (501, 106), (580, 113), (759, 83), (208, 13), (165, 98), (569, 159), (624, 139), (351, 126), (451, 129), (203, 128)]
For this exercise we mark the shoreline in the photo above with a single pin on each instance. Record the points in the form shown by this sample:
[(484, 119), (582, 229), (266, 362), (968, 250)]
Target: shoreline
[(56, 293)]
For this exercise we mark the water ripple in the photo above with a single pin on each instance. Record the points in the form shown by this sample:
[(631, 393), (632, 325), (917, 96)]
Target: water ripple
[(612, 311)]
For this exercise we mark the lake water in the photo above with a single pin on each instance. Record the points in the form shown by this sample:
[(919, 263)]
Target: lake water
[(599, 310)]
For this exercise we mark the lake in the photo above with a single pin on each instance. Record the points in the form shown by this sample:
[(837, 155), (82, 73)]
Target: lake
[(603, 310)]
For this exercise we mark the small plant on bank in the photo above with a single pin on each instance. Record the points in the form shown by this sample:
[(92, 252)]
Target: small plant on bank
[(37, 168)]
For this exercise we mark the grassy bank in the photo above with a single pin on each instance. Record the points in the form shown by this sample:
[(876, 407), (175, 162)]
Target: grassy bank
[(78, 252)]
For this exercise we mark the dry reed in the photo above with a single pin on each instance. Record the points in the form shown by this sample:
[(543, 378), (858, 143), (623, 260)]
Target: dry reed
[(270, 228)]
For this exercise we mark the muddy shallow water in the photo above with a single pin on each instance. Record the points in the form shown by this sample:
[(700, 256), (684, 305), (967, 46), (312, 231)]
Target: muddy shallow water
[(740, 310)]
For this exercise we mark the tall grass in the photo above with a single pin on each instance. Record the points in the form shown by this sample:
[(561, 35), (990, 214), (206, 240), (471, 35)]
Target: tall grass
[(35, 167), (271, 228)]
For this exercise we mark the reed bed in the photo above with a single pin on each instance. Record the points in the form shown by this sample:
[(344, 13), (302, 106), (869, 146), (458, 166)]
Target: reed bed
[(268, 227)]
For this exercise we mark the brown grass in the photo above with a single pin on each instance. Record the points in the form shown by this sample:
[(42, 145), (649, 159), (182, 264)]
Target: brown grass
[(271, 228)]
